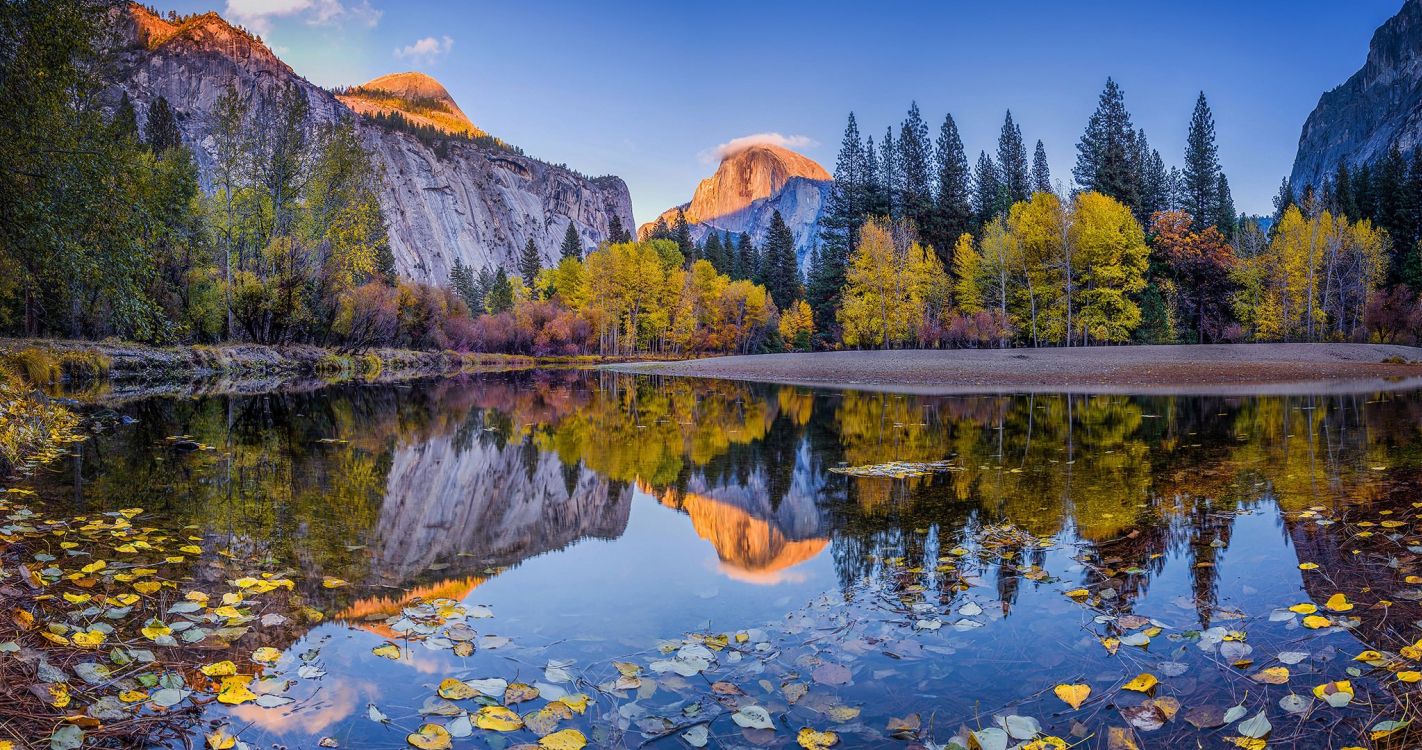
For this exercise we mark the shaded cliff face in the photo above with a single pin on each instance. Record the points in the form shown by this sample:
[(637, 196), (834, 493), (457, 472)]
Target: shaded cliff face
[(748, 188), (470, 201), (1381, 104)]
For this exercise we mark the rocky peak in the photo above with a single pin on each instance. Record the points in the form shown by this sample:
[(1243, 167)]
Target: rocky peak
[(206, 33), (1378, 106), (416, 96), (748, 175), (748, 187)]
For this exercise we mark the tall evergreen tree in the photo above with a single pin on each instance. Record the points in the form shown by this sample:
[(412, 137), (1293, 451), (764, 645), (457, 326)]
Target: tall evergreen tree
[(1283, 199), (987, 188), (499, 297), (1389, 183), (844, 214), (616, 233), (529, 263), (659, 230), (781, 271), (874, 193), (1153, 182), (1224, 217), (749, 257), (124, 124), (1041, 172), (915, 166), (823, 287), (1105, 156), (681, 234), (891, 175), (1342, 192), (953, 211), (462, 280), (1012, 166), (1363, 197), (713, 252), (1202, 166), (161, 131), (572, 244)]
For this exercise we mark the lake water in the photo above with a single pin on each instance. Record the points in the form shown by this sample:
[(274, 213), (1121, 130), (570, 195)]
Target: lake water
[(569, 521)]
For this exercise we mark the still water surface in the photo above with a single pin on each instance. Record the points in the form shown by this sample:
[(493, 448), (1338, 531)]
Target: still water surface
[(597, 516)]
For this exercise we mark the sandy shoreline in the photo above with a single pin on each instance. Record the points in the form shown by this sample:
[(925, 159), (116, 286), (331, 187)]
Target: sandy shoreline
[(1233, 369)]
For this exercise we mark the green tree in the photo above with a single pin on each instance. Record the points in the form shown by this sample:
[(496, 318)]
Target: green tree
[(1041, 172), (529, 263), (573, 244), (499, 297), (1105, 158), (1012, 166), (915, 166), (161, 130), (781, 271), (987, 190), (953, 211), (1202, 167)]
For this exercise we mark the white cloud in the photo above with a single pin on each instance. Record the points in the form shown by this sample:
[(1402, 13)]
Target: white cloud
[(259, 15), (426, 51), (737, 145)]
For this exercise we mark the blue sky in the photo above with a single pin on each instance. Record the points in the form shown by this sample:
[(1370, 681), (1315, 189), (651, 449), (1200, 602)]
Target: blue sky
[(647, 90)]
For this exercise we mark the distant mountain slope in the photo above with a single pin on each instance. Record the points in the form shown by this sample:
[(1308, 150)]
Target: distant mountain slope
[(419, 98), (457, 199), (1379, 105), (748, 187)]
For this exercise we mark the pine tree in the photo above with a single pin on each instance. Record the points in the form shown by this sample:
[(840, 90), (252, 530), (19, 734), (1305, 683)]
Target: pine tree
[(161, 129), (572, 243), (844, 214), (659, 230), (1342, 192), (749, 257), (713, 252), (616, 233), (782, 272), (1041, 172), (681, 234), (529, 263), (890, 175), (462, 280), (1202, 166), (1363, 197), (953, 212), (1154, 181), (499, 297), (1224, 216), (874, 193), (986, 189), (1390, 181), (914, 158), (124, 124), (1012, 168), (1283, 200), (1105, 156)]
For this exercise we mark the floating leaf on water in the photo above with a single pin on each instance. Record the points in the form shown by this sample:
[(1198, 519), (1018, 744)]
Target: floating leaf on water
[(375, 714), (498, 719), (1272, 675), (1294, 704), (430, 737), (1255, 728), (989, 738), (456, 690), (1143, 683), (67, 737), (1021, 727), (753, 717), (697, 736), (831, 674), (1073, 695), (1384, 728), (565, 739), (387, 651)]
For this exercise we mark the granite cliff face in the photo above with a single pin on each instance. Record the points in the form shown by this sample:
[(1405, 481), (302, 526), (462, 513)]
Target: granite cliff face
[(471, 200), (748, 188), (1380, 105)]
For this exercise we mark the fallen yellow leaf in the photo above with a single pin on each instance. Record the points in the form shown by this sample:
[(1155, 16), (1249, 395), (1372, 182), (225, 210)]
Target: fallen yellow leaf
[(814, 740), (1073, 695), (1143, 683)]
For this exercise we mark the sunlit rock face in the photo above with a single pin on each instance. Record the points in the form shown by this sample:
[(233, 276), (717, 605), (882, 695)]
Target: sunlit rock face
[(415, 96), (747, 189), (471, 201), (473, 505), (1380, 105)]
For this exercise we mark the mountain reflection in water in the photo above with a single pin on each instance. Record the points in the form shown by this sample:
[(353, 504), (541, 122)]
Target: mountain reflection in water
[(612, 509)]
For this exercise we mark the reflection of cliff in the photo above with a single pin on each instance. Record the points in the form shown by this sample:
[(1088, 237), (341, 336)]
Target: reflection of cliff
[(489, 504), (757, 539)]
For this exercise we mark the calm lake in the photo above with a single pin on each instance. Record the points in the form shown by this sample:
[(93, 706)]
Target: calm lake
[(707, 559)]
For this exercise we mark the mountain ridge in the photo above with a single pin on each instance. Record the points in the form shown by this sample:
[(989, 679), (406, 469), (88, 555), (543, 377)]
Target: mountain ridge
[(1359, 120), (458, 199)]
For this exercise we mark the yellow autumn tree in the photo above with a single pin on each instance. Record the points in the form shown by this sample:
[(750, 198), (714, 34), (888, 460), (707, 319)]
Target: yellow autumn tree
[(966, 264), (1109, 262), (797, 325), (889, 286)]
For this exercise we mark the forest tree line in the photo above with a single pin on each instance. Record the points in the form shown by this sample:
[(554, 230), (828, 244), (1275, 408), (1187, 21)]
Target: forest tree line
[(107, 231)]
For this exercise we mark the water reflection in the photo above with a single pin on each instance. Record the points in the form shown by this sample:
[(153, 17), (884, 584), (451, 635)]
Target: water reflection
[(616, 509)]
